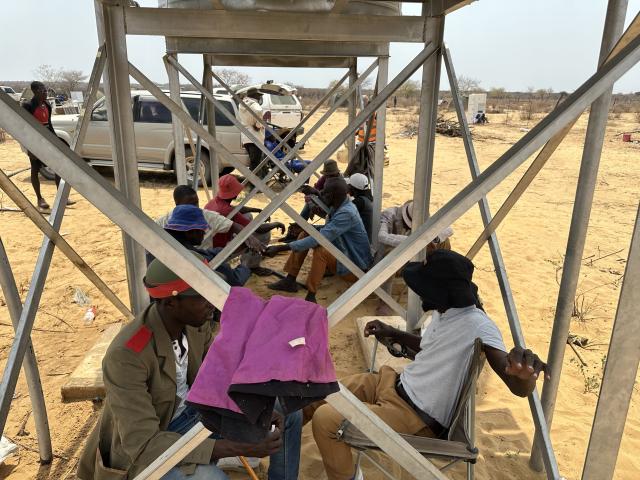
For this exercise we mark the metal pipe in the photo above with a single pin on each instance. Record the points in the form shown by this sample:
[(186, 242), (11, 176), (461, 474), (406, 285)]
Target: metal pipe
[(111, 31), (30, 363), (498, 261), (214, 165), (378, 167), (614, 25), (179, 161), (27, 318), (488, 179), (434, 31), (198, 153), (619, 375), (352, 105)]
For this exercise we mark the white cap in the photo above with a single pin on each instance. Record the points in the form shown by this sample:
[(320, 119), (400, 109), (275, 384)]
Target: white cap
[(358, 180)]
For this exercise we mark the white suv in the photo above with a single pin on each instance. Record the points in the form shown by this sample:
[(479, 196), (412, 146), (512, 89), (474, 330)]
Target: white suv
[(11, 92), (281, 107), (154, 133)]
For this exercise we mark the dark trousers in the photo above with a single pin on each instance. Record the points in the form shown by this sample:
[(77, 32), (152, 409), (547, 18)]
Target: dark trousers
[(255, 157)]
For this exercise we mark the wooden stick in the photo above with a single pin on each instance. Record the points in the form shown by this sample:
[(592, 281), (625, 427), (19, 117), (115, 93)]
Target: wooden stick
[(248, 468), (584, 364), (18, 171)]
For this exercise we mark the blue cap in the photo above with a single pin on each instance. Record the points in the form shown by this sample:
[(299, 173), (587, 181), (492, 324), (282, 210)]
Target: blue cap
[(185, 218)]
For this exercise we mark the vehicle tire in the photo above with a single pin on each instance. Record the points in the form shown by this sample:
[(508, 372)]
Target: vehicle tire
[(47, 173), (190, 160)]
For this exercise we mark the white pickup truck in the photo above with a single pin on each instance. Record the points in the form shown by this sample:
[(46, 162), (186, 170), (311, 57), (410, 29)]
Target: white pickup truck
[(154, 134)]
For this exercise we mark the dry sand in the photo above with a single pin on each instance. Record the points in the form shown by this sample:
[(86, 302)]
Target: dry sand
[(533, 240)]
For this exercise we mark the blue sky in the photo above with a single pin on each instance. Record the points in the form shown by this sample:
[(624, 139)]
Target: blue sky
[(503, 43)]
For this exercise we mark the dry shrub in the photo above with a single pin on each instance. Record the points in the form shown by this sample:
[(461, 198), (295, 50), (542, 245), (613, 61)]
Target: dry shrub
[(637, 116)]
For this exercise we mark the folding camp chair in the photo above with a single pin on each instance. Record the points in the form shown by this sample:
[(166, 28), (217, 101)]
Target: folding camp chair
[(459, 442)]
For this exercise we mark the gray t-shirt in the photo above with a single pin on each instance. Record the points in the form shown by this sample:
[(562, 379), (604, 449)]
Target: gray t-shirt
[(434, 379)]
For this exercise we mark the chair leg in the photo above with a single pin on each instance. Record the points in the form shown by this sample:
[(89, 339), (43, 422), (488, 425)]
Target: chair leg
[(471, 428)]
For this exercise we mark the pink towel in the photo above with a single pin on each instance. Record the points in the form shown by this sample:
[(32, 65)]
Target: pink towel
[(284, 339)]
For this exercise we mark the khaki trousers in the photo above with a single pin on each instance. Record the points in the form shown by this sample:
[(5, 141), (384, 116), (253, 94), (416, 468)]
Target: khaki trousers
[(321, 261), (377, 391)]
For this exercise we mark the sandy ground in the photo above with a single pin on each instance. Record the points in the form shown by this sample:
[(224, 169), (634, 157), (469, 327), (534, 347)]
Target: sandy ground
[(533, 240)]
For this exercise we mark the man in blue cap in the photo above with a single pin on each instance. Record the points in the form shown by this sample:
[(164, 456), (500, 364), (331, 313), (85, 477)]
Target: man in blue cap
[(188, 225)]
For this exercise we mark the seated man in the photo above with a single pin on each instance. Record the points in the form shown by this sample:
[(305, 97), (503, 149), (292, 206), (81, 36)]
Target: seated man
[(395, 227), (188, 225), (228, 190), (360, 192), (148, 370), (344, 228), (420, 401), (218, 224)]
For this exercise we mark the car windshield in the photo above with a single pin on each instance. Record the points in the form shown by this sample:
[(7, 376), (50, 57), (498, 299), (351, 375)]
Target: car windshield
[(8, 90), (283, 100)]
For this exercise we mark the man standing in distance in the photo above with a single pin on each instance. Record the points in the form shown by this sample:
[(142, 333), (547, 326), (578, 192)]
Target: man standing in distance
[(41, 109)]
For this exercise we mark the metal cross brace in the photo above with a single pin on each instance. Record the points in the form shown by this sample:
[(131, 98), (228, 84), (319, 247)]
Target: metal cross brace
[(22, 337), (498, 262), (179, 111), (30, 364), (294, 151)]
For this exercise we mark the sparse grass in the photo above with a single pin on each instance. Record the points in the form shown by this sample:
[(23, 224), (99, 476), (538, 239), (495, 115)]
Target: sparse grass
[(583, 308)]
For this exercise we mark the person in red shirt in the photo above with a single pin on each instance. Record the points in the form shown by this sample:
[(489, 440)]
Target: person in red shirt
[(41, 110), (228, 190)]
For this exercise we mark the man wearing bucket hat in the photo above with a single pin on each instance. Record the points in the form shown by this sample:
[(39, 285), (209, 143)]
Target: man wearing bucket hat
[(395, 227), (362, 198), (228, 190), (420, 401), (148, 370), (188, 225)]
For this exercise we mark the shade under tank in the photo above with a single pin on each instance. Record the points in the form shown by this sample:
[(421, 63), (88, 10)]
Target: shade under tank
[(353, 7)]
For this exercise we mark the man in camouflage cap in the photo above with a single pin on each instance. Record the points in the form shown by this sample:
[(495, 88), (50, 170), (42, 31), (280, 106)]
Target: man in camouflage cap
[(148, 370)]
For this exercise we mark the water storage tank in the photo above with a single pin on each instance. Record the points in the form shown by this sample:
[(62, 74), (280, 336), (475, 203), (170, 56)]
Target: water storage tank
[(354, 7)]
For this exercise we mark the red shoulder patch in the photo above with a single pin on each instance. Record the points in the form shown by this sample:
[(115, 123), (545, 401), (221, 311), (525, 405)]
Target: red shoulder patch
[(139, 339)]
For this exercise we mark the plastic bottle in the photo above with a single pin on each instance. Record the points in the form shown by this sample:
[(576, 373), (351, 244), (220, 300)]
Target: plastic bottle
[(89, 315)]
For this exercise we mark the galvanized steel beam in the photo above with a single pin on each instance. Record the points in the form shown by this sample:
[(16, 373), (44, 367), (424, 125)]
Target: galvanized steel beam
[(178, 22), (30, 362), (598, 116), (550, 462), (619, 375)]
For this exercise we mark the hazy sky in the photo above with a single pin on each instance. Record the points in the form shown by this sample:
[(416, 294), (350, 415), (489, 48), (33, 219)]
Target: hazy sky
[(503, 43)]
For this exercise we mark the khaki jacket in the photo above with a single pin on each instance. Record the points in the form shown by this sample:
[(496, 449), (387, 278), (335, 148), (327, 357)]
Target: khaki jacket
[(139, 371)]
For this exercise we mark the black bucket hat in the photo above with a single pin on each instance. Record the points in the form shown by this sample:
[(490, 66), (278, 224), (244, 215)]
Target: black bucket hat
[(443, 281)]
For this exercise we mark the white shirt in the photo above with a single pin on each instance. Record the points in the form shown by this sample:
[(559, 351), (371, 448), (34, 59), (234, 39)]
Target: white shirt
[(182, 364), (434, 379), (250, 122), (217, 224)]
